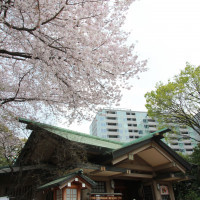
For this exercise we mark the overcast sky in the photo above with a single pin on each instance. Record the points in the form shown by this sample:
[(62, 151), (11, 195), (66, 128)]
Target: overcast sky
[(167, 33)]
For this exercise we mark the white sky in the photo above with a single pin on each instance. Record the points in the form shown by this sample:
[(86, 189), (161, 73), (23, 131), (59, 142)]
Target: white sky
[(167, 33)]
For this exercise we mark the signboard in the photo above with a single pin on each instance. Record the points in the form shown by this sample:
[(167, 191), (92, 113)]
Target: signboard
[(164, 190)]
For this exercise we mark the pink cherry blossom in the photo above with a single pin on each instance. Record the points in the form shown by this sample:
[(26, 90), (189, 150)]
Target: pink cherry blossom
[(64, 57)]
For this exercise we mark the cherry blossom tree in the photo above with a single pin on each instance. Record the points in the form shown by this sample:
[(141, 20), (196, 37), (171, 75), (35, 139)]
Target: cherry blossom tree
[(9, 146), (63, 56)]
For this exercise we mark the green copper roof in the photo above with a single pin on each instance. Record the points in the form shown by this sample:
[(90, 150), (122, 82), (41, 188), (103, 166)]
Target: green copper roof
[(146, 137), (136, 143), (66, 178), (114, 148), (88, 139), (73, 135)]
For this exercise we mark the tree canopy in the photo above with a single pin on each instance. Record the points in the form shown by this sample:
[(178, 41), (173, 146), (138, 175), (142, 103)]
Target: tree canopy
[(9, 146), (67, 56), (178, 101), (189, 190)]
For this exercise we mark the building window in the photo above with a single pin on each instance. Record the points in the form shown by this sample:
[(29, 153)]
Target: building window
[(100, 187), (151, 120), (131, 119), (112, 118), (71, 194), (112, 124), (113, 130), (140, 132), (111, 112), (152, 126), (113, 136), (187, 143), (189, 150), (132, 125), (176, 149)]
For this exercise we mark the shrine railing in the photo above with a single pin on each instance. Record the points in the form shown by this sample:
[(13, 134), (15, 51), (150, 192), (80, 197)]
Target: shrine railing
[(106, 196)]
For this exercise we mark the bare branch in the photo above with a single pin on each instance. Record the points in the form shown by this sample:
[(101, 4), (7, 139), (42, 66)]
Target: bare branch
[(18, 54)]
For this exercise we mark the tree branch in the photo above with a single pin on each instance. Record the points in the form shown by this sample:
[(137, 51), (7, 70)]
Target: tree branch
[(52, 18), (18, 54)]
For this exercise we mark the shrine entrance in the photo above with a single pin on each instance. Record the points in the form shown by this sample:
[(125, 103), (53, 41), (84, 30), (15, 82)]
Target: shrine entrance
[(130, 189)]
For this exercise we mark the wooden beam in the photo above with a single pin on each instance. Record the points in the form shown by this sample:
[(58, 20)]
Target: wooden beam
[(137, 175), (136, 166), (166, 156), (132, 153), (121, 174), (130, 156), (99, 168), (120, 159), (116, 169), (165, 166), (181, 168), (102, 168), (143, 148), (171, 176)]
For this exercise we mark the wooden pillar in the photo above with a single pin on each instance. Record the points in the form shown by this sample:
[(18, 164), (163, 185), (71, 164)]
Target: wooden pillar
[(156, 190), (63, 193), (54, 194), (171, 191), (79, 193)]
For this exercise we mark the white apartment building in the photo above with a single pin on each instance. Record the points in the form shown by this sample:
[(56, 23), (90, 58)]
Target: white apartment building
[(126, 125)]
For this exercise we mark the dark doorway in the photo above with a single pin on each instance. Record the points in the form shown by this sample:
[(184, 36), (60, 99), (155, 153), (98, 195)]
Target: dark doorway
[(129, 189)]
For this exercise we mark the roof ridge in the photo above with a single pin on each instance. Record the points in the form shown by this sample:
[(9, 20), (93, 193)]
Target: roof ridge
[(150, 135), (64, 178), (43, 125)]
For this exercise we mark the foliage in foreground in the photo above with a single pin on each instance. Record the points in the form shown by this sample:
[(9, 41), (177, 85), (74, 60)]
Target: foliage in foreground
[(178, 101), (190, 190), (10, 145)]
